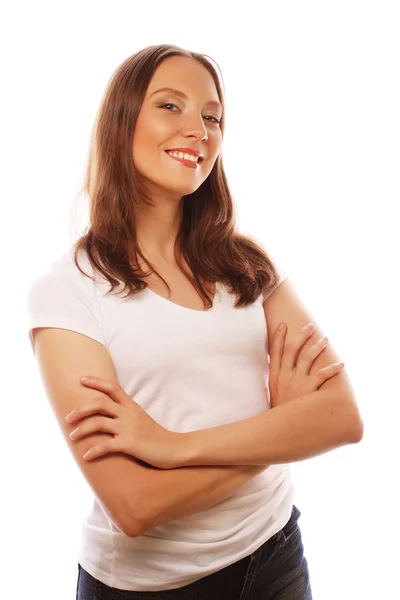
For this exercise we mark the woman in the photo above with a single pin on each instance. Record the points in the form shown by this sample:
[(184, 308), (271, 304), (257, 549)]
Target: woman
[(190, 449)]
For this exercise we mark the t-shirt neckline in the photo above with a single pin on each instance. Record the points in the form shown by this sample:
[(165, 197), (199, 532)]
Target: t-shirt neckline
[(174, 305)]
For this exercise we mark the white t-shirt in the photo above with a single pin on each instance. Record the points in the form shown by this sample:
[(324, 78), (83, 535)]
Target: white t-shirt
[(189, 370)]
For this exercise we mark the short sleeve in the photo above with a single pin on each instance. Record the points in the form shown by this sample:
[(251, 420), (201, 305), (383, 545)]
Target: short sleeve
[(63, 297), (282, 275)]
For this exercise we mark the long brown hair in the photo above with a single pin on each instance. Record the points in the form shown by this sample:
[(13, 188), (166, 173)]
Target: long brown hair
[(207, 240)]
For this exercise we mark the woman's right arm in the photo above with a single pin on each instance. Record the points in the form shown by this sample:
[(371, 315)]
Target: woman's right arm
[(176, 493), (134, 496)]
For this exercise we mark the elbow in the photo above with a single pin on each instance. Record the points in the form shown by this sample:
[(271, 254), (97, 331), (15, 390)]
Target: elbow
[(132, 533), (357, 432), (136, 523), (355, 426), (135, 527), (144, 523), (352, 422)]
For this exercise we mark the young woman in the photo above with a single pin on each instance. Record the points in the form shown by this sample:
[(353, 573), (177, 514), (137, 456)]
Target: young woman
[(192, 428)]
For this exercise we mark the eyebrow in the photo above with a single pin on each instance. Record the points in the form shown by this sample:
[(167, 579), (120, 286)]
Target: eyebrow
[(178, 93)]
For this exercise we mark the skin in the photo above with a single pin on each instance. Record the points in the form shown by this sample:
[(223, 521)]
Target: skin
[(190, 123)]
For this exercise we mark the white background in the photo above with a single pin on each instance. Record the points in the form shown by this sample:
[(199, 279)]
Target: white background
[(311, 153)]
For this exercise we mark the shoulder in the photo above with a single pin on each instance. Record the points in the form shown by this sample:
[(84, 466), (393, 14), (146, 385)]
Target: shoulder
[(61, 296), (62, 273)]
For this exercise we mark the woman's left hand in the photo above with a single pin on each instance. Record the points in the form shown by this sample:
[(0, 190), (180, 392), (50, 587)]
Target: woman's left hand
[(135, 432)]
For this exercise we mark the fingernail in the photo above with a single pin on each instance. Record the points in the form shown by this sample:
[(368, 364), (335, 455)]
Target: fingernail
[(281, 325)]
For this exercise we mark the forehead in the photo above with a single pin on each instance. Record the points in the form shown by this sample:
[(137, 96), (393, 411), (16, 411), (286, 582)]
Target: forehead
[(185, 75)]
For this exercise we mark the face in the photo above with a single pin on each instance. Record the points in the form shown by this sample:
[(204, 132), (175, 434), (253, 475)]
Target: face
[(168, 120)]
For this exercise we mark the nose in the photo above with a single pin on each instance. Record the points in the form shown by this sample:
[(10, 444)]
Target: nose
[(195, 127)]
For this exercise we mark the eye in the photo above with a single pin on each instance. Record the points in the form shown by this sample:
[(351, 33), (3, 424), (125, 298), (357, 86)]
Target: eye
[(215, 119), (205, 116)]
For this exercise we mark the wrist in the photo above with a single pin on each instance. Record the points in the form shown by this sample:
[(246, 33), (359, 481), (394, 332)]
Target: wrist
[(188, 454), (185, 455)]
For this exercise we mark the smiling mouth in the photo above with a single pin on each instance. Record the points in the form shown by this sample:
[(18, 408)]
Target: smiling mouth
[(186, 162)]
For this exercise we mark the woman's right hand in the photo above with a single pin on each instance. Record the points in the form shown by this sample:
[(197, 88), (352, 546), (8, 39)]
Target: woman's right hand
[(290, 364)]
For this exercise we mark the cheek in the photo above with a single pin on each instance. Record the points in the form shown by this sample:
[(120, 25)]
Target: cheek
[(216, 151), (150, 138), (215, 142)]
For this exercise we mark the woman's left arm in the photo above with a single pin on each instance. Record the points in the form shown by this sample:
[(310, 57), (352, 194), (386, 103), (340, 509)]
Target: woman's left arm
[(300, 429), (307, 426)]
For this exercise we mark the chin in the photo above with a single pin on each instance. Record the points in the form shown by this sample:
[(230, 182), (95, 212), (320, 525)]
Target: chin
[(180, 190), (183, 191)]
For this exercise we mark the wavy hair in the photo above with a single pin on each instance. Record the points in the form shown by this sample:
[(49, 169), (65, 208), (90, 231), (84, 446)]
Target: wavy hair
[(207, 239)]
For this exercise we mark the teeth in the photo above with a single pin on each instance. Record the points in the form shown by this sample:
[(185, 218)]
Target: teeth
[(184, 155)]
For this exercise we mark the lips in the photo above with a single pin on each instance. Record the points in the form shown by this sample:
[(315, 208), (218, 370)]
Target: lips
[(187, 151), (183, 161)]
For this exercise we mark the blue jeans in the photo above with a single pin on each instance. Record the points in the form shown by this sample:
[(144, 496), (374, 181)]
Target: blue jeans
[(277, 570)]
